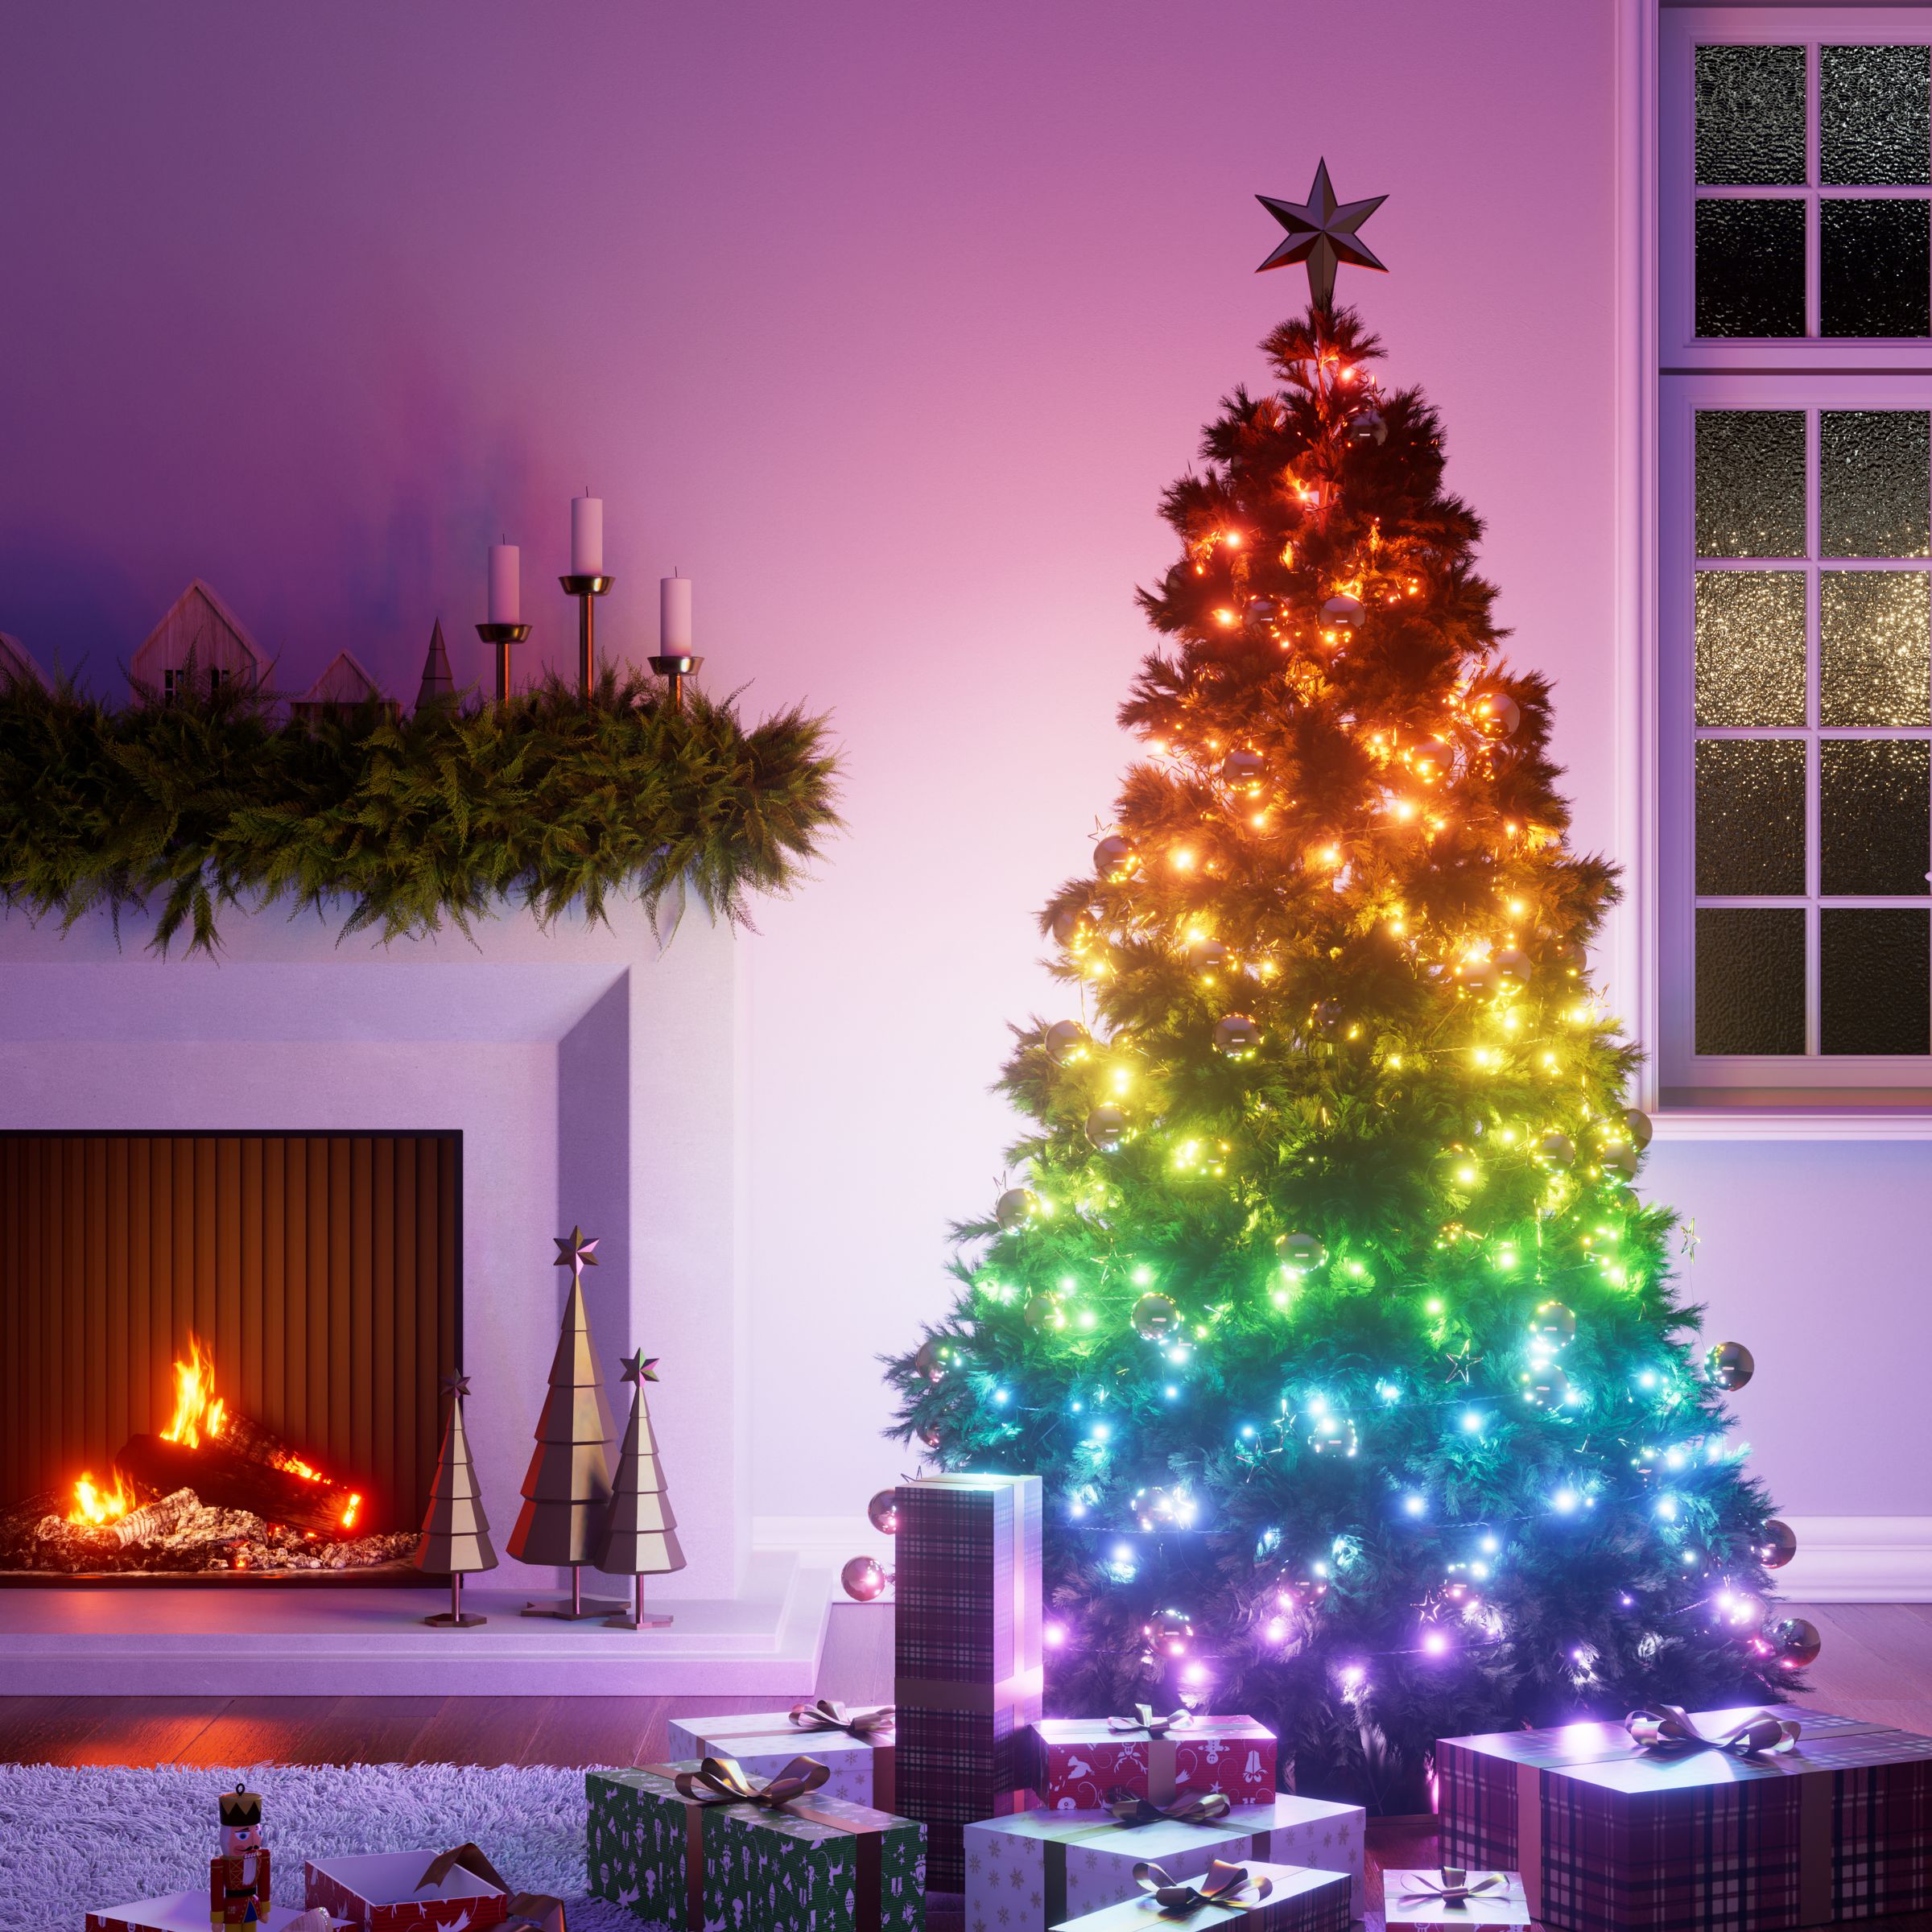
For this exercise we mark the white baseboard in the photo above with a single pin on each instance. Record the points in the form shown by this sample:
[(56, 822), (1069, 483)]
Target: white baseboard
[(1859, 1559), (1841, 1559)]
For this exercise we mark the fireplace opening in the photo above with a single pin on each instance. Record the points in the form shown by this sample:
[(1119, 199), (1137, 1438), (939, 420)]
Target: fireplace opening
[(223, 1353)]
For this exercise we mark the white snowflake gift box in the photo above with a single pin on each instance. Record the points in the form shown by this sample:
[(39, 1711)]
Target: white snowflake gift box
[(1032, 1871), (855, 1747)]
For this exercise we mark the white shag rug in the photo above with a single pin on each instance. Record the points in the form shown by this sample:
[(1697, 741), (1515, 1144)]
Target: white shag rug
[(71, 1840)]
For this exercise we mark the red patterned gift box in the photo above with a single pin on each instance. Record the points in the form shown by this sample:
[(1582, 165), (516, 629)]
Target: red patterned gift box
[(967, 1643), (384, 1892), (1078, 1762), (1612, 1838)]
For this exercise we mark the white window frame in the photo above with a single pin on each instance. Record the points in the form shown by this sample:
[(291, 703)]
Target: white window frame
[(1667, 373)]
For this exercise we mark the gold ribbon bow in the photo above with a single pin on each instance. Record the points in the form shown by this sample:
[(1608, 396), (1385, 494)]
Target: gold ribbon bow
[(1202, 1808), (1178, 1899), (466, 1857), (1146, 1719), (541, 1911), (721, 1780), (1667, 1727), (1457, 1888), (828, 1713)]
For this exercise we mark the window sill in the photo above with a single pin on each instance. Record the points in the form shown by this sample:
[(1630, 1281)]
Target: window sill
[(1903, 1117)]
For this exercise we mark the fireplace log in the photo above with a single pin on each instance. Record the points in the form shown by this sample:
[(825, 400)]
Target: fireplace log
[(151, 1520), (218, 1475)]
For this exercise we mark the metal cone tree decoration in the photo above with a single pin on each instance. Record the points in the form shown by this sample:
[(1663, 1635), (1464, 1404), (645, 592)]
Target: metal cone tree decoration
[(455, 1532), (567, 1486), (640, 1534)]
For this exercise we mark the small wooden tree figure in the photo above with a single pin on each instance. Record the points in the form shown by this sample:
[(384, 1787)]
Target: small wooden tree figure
[(640, 1534), (455, 1532), (567, 1486)]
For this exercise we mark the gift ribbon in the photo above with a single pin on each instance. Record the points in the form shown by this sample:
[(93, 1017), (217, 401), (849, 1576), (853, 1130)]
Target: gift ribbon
[(1666, 1729), (768, 1729), (1225, 1881), (827, 1714), (703, 1797), (538, 1910), (721, 1780), (1055, 1844), (1457, 1887), (466, 1857), (1146, 1721), (1202, 1808)]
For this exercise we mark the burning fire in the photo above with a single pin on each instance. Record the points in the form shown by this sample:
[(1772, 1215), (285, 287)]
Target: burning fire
[(94, 1505), (198, 1410), (199, 1413)]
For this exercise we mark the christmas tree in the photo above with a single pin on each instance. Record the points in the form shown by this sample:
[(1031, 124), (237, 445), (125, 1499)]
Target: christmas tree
[(1353, 1363), (640, 1533), (567, 1486), (455, 1532)]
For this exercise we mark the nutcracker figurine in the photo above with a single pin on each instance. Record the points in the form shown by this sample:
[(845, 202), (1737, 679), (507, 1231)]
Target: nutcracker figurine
[(237, 1877)]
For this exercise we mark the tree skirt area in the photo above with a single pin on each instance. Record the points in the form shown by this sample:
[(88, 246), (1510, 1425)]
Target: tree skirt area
[(73, 1840)]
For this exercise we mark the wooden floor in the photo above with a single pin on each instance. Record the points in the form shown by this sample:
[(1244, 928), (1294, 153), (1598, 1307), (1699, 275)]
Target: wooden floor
[(1877, 1664)]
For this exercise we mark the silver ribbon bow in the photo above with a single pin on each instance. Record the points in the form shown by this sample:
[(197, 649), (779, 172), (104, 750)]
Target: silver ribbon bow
[(1145, 1718), (828, 1713), (1225, 1883), (1669, 1727), (1457, 1888)]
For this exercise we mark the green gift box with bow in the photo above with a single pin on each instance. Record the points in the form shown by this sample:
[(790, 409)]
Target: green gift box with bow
[(698, 1846)]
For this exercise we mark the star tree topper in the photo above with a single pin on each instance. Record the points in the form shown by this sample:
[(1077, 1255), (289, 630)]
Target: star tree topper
[(640, 1367), (1322, 233), (457, 1384), (574, 1253)]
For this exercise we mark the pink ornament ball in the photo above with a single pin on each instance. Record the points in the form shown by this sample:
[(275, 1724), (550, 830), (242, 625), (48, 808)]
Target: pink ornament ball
[(863, 1580)]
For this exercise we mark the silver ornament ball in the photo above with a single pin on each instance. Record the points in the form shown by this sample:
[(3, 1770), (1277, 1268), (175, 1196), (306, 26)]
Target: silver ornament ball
[(1154, 1317), (1066, 1040), (1015, 1207), (1236, 1036), (1107, 1127), (1730, 1364)]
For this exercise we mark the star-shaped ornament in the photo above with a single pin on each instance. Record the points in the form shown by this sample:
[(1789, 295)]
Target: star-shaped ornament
[(1322, 233), (574, 1253), (640, 1367), (457, 1384)]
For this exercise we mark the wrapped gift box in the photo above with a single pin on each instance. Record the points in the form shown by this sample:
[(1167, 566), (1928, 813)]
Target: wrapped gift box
[(1077, 1763), (765, 1742), (1298, 1899), (178, 1912), (818, 1864), (1038, 1869), (1610, 1837), (1415, 1898), (967, 1655), (384, 1892)]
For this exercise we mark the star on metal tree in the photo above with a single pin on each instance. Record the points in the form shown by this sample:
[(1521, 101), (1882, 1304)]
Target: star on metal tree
[(1322, 233), (457, 1384), (574, 1253), (640, 1367)]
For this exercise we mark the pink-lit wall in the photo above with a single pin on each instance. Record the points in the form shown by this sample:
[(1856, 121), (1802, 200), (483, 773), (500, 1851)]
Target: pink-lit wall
[(887, 324)]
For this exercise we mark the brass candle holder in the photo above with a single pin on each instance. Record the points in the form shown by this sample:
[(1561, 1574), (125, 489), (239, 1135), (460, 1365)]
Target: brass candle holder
[(586, 590), (673, 671), (501, 637)]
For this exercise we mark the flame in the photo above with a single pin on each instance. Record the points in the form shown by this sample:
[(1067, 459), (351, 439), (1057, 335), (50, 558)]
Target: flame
[(198, 1410), (92, 1505), (349, 1511)]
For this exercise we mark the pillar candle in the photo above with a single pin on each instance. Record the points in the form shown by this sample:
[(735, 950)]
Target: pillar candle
[(587, 536), (674, 616), (505, 584)]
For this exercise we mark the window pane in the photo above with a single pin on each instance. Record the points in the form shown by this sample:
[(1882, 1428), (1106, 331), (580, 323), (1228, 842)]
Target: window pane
[(1875, 268), (1750, 816), (1873, 991), (1874, 117), (1874, 815), (1751, 268), (1876, 648), (1751, 115), (1876, 481), (1750, 632), (1751, 483), (1750, 981)]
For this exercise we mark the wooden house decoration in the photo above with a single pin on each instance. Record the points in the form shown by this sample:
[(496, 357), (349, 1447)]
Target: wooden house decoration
[(343, 685), (200, 627), (16, 666)]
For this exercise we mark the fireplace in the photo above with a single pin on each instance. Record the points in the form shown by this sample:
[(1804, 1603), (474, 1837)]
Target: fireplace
[(221, 1355)]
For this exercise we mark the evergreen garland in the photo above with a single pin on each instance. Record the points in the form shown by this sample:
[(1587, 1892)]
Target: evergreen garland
[(212, 801)]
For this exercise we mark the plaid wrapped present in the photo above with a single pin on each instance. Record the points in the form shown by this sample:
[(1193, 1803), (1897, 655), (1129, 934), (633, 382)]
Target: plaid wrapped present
[(1078, 1762), (1464, 1899), (816, 1864), (1297, 1900), (967, 1654), (1029, 1872), (1611, 1837), (765, 1742)]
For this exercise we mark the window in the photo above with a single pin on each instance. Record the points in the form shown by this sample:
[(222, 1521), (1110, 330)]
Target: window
[(1794, 727)]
